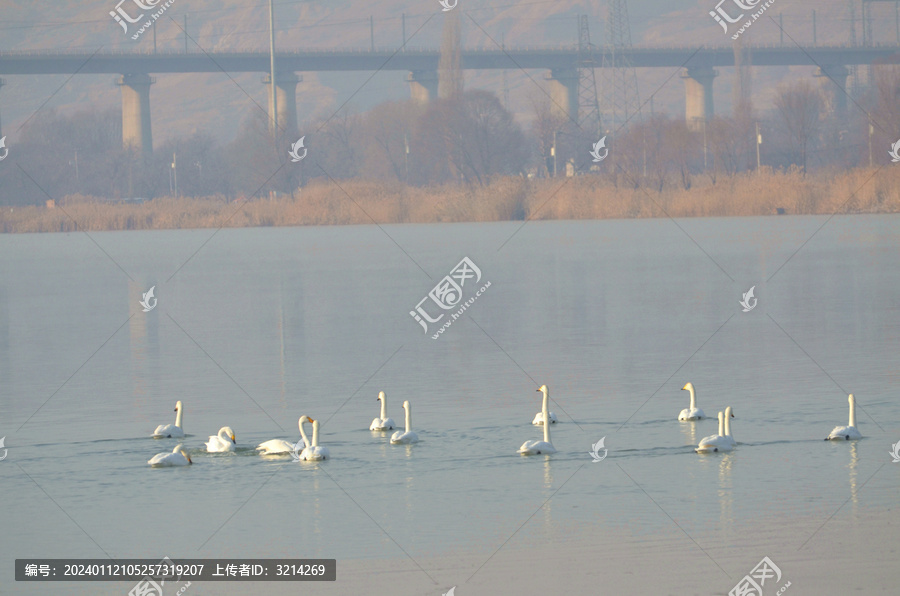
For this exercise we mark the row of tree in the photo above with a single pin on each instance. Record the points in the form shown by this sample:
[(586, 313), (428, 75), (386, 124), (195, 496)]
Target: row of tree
[(466, 138)]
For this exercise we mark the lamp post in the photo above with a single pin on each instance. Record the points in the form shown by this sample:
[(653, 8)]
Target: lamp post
[(758, 143), (553, 153), (871, 131), (175, 173)]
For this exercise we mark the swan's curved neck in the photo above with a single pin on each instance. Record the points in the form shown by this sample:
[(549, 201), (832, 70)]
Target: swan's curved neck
[(303, 434), (545, 410), (693, 397), (315, 439), (721, 425), (727, 425), (852, 411), (408, 418), (178, 417), (383, 407)]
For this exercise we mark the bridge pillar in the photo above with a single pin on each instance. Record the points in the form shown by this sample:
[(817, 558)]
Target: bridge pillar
[(698, 99), (834, 85), (286, 97), (563, 84), (136, 132), (423, 85)]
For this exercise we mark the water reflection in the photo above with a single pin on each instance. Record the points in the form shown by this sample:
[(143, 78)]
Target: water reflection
[(689, 431), (726, 492), (281, 341), (548, 487), (143, 334), (854, 489)]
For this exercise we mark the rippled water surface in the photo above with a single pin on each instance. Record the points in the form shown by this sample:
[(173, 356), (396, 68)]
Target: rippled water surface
[(260, 326)]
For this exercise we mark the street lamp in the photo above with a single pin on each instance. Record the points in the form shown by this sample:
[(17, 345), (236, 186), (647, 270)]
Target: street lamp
[(758, 143), (175, 173)]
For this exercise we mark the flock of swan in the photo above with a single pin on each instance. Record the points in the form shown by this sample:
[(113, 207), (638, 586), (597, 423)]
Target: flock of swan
[(225, 440)]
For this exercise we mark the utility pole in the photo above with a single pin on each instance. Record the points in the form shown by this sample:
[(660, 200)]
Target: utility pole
[(403, 28), (272, 69), (175, 172), (553, 153), (372, 31), (814, 28), (704, 145), (758, 143), (871, 131)]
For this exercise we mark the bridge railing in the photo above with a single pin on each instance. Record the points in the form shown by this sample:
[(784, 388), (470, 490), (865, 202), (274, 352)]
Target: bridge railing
[(562, 48)]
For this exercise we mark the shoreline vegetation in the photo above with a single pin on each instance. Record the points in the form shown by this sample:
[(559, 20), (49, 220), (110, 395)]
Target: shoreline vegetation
[(791, 192)]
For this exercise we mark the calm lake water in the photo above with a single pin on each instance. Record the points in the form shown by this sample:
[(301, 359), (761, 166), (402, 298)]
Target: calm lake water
[(261, 326)]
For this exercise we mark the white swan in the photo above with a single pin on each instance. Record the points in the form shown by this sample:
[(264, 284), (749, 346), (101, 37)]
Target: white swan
[(178, 457), (282, 447), (383, 422), (539, 417), (718, 442), (846, 433), (313, 451), (408, 436), (275, 447), (728, 417), (224, 441), (171, 430), (692, 413), (545, 446)]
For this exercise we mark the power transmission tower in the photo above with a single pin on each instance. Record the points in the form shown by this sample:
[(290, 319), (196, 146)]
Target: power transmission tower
[(450, 75), (742, 86), (588, 104), (620, 92)]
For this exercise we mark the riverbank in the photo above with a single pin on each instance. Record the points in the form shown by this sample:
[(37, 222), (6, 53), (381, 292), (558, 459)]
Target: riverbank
[(586, 197)]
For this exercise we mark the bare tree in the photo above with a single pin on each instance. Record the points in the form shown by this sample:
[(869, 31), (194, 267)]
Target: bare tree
[(886, 115), (470, 138), (388, 132), (800, 107), (338, 147), (554, 132)]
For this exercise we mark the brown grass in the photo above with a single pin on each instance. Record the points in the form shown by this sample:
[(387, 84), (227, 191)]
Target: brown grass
[(511, 198)]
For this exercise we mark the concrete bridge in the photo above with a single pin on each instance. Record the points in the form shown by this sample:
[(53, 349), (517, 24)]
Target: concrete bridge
[(698, 64)]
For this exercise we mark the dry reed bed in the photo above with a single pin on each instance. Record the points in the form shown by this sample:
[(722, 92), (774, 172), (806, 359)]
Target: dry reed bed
[(586, 197)]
